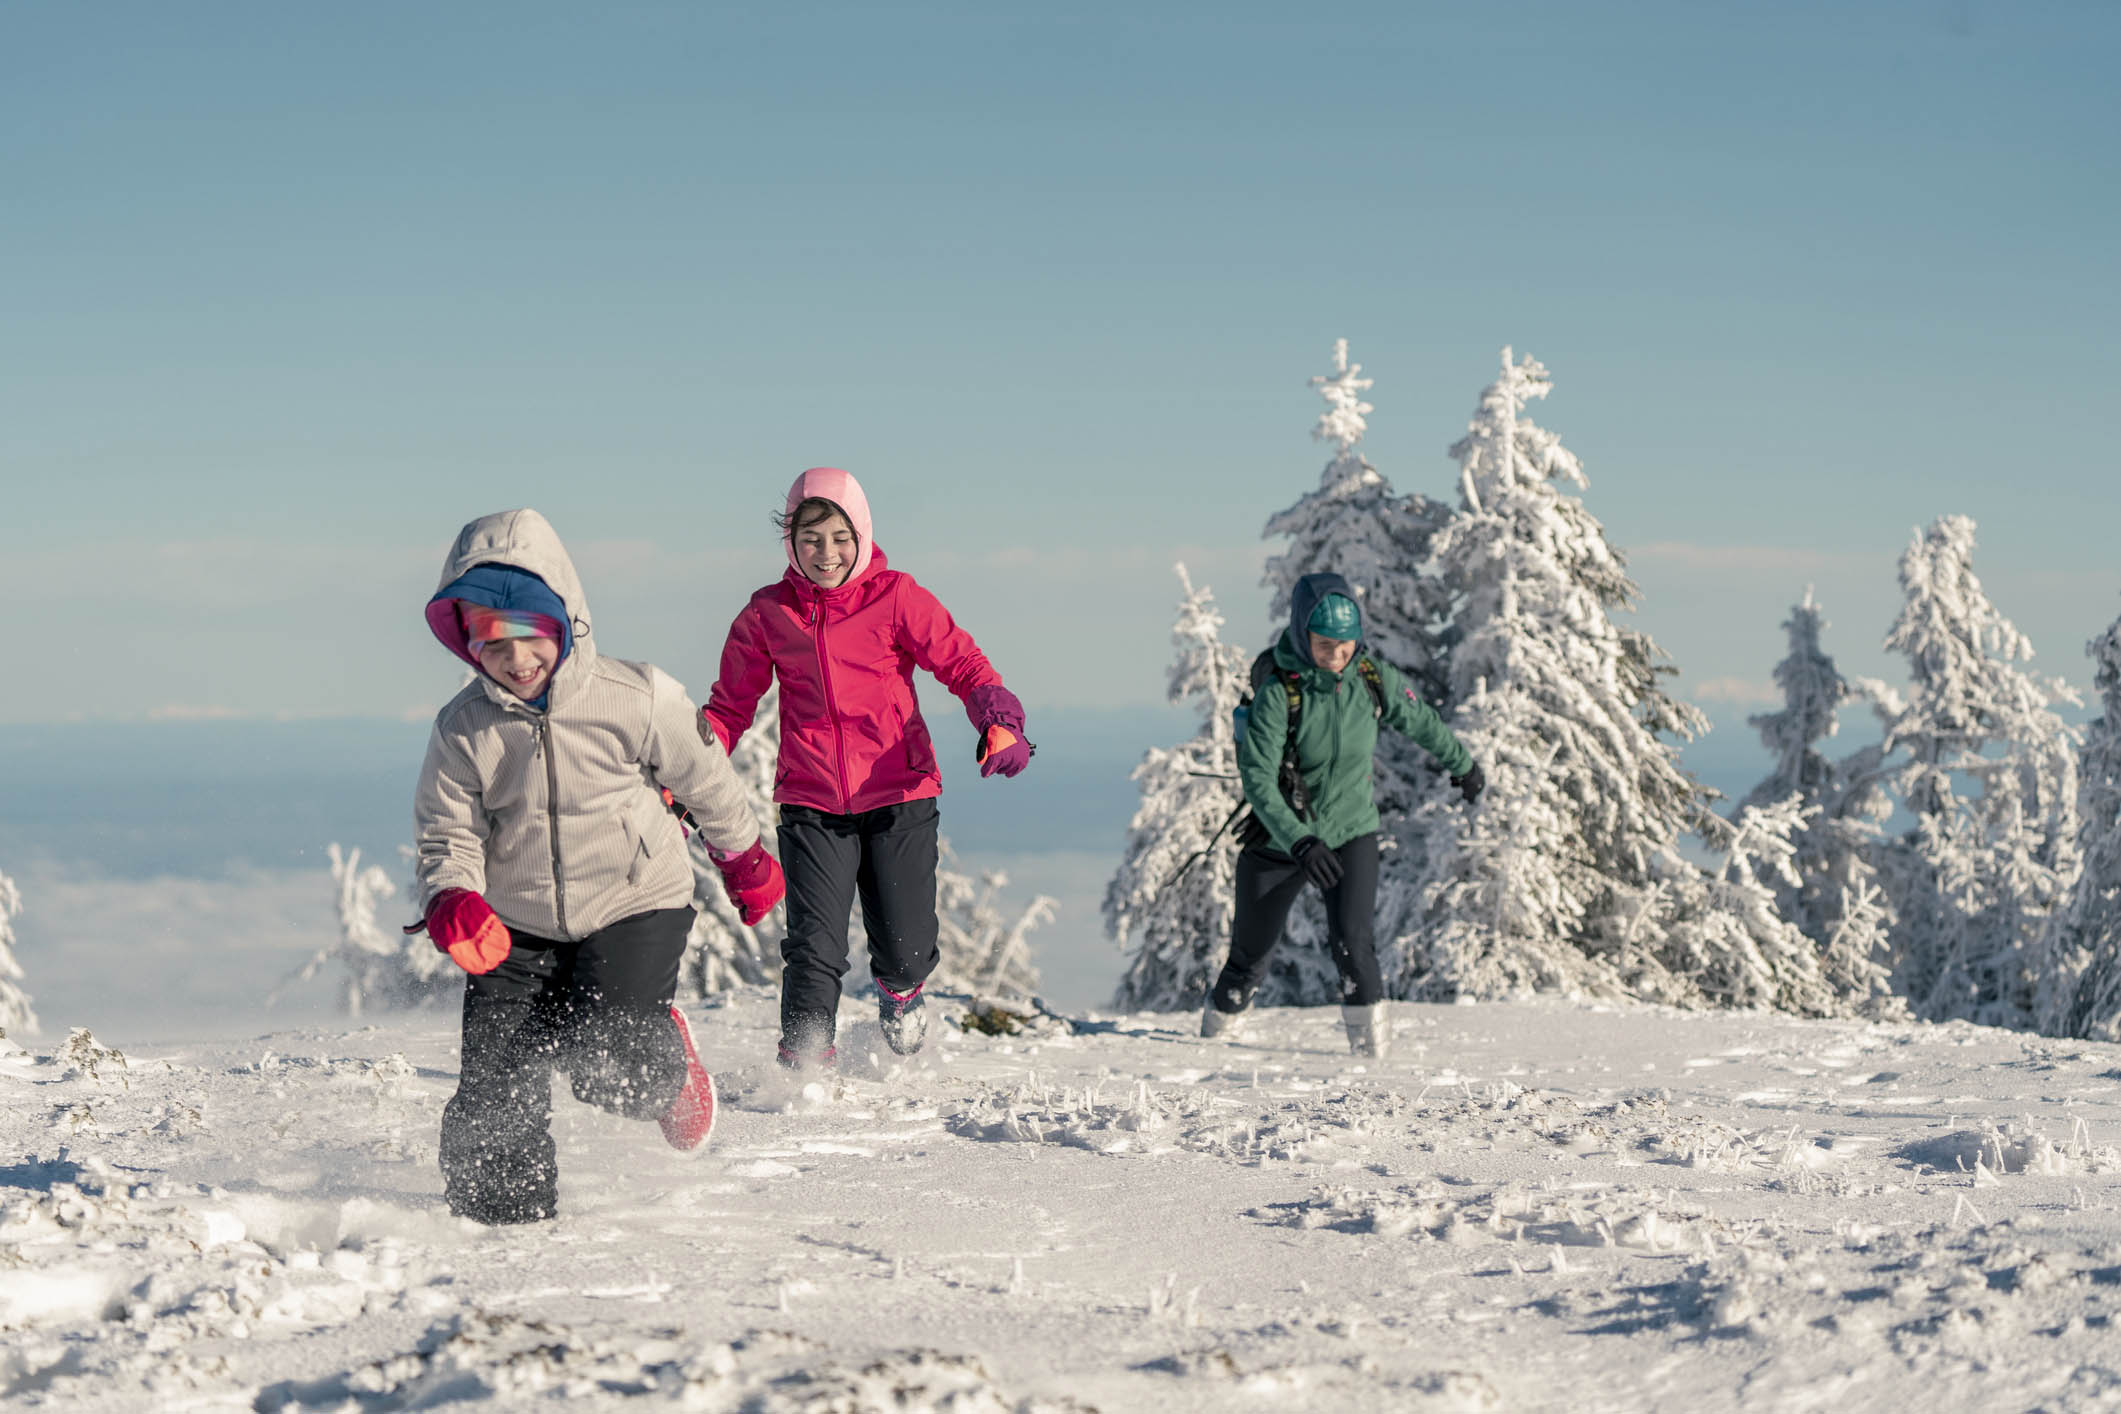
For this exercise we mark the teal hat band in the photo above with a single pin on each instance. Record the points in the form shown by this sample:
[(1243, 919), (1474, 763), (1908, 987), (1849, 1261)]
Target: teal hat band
[(1336, 616)]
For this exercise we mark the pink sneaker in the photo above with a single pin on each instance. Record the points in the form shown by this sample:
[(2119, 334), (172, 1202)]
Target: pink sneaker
[(690, 1118)]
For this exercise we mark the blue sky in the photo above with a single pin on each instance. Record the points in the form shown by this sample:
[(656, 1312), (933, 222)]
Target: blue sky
[(289, 292)]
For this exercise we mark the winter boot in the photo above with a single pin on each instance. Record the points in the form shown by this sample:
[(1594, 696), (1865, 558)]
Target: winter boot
[(503, 1214), (690, 1118), (1214, 1023), (903, 1017), (1226, 1005), (1369, 1034), (806, 1042)]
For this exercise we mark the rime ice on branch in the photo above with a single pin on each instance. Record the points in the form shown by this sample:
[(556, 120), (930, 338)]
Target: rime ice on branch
[(1974, 881), (721, 953), (1829, 889), (384, 968), (984, 952), (2080, 954), (16, 1013)]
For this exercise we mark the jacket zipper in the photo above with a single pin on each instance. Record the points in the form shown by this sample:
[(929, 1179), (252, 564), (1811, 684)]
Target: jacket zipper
[(832, 707), (552, 817)]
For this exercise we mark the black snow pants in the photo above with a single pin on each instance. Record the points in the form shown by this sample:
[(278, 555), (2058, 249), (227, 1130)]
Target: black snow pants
[(1268, 882), (888, 856), (598, 1009)]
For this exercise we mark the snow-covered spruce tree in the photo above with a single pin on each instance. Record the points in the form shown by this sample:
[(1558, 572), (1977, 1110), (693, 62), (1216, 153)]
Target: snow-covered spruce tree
[(2079, 959), (1568, 875), (1354, 524), (1176, 884), (16, 1014), (1973, 882), (385, 969), (1829, 890)]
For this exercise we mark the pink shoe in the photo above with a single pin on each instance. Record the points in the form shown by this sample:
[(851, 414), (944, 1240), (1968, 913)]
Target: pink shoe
[(690, 1118)]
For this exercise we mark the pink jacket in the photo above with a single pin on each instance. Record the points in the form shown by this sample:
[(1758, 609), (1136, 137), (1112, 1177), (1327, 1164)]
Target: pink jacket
[(852, 738)]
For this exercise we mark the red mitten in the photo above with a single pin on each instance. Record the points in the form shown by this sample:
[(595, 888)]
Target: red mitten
[(462, 925), (753, 882), (1003, 750)]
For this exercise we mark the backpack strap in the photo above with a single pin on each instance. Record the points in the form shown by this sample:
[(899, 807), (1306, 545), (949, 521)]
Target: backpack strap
[(1374, 681), (1290, 776)]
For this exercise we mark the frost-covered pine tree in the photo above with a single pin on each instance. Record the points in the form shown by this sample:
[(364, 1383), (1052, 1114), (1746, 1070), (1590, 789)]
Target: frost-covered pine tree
[(1568, 874), (1176, 885), (16, 1013), (2079, 991), (1989, 772), (1354, 524), (384, 968), (1724, 933), (1829, 889)]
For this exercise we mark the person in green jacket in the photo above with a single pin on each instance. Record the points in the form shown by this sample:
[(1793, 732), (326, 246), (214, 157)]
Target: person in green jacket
[(1327, 835)]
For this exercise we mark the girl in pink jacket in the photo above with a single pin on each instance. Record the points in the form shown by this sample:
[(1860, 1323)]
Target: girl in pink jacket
[(857, 779)]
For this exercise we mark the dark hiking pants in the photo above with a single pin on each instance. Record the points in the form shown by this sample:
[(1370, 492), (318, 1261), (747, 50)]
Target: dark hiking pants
[(1268, 882), (598, 1009), (888, 857)]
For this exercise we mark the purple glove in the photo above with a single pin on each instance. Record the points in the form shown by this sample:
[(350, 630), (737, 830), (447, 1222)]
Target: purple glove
[(1000, 719), (1002, 750)]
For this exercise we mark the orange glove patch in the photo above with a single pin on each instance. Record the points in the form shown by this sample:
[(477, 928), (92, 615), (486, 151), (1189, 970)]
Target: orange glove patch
[(464, 926), (998, 739)]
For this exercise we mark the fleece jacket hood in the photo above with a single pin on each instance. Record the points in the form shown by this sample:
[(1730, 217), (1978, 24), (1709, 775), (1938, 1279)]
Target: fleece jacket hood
[(513, 560), (840, 488)]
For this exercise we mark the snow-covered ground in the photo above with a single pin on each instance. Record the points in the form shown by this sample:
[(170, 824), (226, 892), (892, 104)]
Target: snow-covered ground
[(1525, 1207)]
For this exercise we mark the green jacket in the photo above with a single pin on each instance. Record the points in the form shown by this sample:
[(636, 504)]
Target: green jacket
[(1336, 745)]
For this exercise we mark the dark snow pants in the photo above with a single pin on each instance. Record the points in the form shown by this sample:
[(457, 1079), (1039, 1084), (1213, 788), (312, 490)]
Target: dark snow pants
[(888, 857), (598, 1009), (1268, 882)]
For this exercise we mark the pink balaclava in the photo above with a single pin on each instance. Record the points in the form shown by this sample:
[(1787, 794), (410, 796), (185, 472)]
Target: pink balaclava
[(836, 486)]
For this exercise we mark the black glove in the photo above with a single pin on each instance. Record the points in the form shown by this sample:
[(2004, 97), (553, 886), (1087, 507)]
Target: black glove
[(1251, 830), (1321, 865), (1472, 783)]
